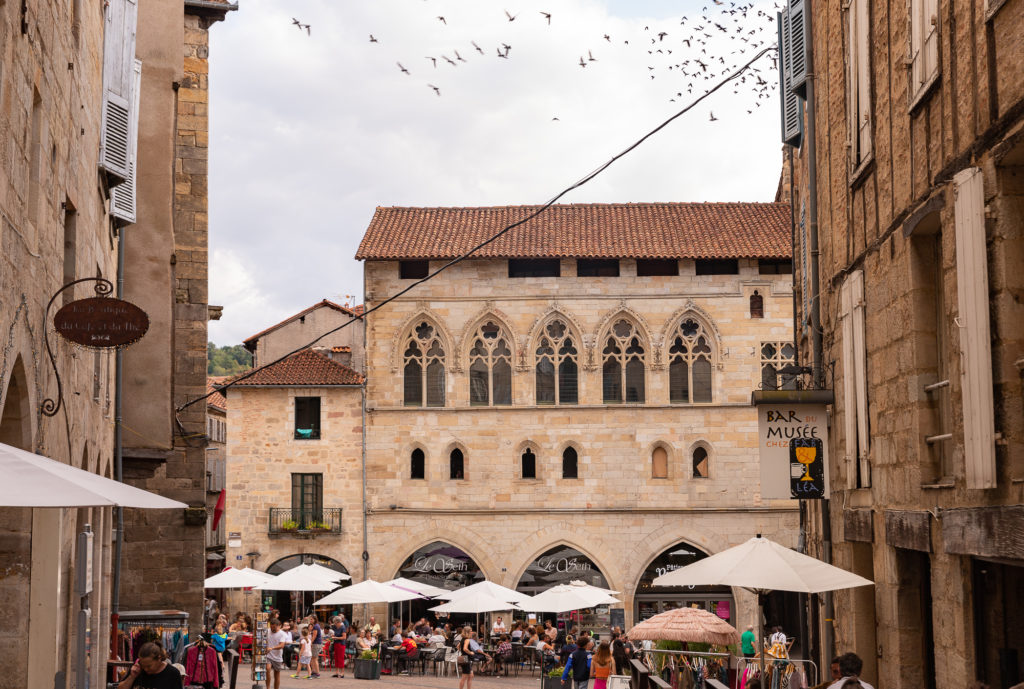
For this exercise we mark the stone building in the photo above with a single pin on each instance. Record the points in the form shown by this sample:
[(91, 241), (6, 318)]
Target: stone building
[(294, 466), (166, 274), (919, 114), (573, 401), (299, 330), (55, 227), (216, 474)]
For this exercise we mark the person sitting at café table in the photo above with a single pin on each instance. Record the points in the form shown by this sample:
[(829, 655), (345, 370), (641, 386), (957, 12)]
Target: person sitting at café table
[(437, 639), (407, 647), (504, 650), (547, 651), (478, 653), (517, 631), (549, 631), (498, 628), (365, 641), (422, 628), (530, 637)]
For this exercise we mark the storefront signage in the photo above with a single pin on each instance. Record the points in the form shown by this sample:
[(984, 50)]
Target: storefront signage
[(101, 322), (792, 439), (562, 564), (439, 564)]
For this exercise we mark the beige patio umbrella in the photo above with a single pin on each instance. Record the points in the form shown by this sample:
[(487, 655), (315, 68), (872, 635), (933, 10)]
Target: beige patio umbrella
[(693, 625)]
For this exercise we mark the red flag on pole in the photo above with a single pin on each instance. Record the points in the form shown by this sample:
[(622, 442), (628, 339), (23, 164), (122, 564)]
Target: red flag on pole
[(218, 511)]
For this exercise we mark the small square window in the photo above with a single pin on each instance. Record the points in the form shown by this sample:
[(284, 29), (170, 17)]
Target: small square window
[(597, 267), (307, 418), (718, 266), (651, 267), (413, 270), (534, 268)]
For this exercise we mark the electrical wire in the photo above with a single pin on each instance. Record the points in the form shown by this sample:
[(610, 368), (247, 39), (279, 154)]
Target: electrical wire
[(576, 185)]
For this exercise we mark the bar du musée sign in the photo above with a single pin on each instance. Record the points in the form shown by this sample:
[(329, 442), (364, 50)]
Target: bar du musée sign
[(793, 441)]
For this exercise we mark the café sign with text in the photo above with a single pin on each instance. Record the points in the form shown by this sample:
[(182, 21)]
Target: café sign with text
[(792, 429)]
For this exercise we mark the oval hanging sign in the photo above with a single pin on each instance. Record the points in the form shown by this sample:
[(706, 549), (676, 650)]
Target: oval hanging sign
[(101, 322)]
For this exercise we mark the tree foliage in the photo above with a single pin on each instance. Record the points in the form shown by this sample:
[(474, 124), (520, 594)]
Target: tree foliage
[(227, 361)]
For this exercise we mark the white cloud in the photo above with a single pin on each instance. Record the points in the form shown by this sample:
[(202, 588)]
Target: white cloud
[(310, 133)]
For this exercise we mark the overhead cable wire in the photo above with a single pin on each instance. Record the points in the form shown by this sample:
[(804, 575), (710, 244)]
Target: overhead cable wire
[(539, 210)]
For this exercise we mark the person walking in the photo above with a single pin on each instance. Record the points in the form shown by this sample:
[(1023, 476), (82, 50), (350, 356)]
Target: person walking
[(276, 641), (466, 659), (619, 652), (579, 665), (602, 666), (316, 634), (305, 655), (747, 641)]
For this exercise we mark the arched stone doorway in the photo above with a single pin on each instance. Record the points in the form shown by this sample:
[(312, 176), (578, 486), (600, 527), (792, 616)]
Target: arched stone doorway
[(439, 564), (15, 419), (561, 565), (649, 600), (297, 604)]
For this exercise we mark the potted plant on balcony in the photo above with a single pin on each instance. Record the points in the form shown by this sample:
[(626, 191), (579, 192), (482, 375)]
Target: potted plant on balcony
[(319, 527), (553, 679), (289, 525), (367, 665)]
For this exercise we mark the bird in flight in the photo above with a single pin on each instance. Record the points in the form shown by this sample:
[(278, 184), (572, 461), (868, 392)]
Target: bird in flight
[(661, 35), (511, 17), (306, 27), (436, 89), (547, 15), (713, 118), (459, 57), (373, 40), (434, 60), (555, 119), (442, 20), (506, 47), (590, 57), (449, 60), (501, 54), (608, 38), (296, 22), (404, 70), (478, 48), (583, 63)]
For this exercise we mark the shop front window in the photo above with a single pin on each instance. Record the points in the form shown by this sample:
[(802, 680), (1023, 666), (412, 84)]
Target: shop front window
[(651, 600)]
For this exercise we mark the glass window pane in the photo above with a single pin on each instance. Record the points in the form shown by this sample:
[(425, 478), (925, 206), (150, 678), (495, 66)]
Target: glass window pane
[(413, 384), (678, 382), (478, 375), (502, 381), (612, 383), (567, 382), (435, 384), (545, 382), (634, 381), (702, 380)]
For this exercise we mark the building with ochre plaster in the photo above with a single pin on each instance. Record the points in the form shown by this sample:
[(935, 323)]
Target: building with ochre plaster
[(573, 401)]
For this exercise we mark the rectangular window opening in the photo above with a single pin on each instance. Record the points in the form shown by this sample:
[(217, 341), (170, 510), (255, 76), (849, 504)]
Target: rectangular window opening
[(717, 266), (307, 418), (307, 499), (597, 267), (655, 267), (413, 270), (534, 268), (774, 267)]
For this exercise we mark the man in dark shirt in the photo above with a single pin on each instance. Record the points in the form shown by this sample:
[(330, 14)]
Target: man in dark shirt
[(152, 671)]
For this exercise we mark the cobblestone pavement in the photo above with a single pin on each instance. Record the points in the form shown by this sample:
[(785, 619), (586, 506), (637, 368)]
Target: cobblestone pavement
[(415, 681)]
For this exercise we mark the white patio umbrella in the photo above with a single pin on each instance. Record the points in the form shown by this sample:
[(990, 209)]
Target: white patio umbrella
[(325, 573), (564, 598), (489, 587), (232, 578), (762, 566), (476, 602), (419, 587), (368, 591), (31, 480)]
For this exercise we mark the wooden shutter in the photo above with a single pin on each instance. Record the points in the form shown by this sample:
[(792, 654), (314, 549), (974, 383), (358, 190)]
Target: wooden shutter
[(118, 67), (973, 321), (799, 46), (863, 80), (860, 376), (122, 197), (792, 107), (849, 385), (924, 44), (930, 50)]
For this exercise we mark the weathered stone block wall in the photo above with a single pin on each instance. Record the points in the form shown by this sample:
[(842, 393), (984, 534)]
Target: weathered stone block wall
[(302, 331)]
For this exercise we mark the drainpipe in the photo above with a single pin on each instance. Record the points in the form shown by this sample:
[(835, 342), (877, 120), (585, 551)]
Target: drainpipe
[(366, 547), (115, 594), (817, 350)]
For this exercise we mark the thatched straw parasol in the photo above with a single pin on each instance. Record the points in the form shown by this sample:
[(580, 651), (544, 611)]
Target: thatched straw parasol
[(686, 624)]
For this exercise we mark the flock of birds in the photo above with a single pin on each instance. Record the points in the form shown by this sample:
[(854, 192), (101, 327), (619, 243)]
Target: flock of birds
[(690, 54)]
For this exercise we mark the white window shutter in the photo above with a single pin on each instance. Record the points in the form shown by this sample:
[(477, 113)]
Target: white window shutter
[(792, 107), (973, 319), (118, 61), (863, 79), (860, 375), (849, 385), (930, 49), (799, 46), (122, 197)]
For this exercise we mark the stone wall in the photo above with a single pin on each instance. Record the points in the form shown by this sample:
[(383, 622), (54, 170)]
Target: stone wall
[(299, 332), (54, 228)]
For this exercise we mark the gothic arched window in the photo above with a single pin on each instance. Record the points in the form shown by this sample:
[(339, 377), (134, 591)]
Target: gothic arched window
[(529, 461), (557, 379), (490, 367), (423, 368), (418, 464), (623, 369), (659, 463), (689, 368), (570, 463), (456, 465)]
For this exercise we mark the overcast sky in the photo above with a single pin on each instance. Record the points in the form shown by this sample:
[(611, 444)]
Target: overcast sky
[(310, 132)]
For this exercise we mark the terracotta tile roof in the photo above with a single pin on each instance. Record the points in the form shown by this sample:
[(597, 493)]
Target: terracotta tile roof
[(217, 400), (250, 342), (620, 230), (343, 349), (305, 367)]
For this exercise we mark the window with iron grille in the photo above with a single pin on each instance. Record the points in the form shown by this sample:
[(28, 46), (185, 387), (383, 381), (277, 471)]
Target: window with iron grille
[(774, 357), (307, 418)]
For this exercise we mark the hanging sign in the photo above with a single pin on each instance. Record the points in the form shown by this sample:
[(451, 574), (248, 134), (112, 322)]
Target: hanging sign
[(101, 322), (792, 439)]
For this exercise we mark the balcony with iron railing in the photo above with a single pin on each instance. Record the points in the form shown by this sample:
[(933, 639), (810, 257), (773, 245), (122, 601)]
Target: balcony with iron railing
[(308, 522)]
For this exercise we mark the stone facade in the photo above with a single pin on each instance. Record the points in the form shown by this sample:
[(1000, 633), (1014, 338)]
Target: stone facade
[(54, 228), (263, 453), (302, 328), (166, 273), (616, 512), (920, 502)]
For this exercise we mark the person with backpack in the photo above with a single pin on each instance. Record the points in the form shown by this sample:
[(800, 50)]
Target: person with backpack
[(579, 665)]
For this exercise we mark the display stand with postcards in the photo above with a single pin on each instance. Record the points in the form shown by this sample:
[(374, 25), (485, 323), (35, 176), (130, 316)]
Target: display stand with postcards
[(259, 649)]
